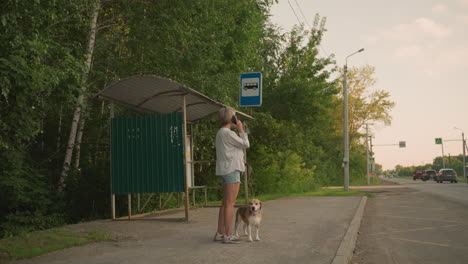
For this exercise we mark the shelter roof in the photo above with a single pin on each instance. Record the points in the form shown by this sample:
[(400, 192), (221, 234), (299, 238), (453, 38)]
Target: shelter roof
[(153, 94)]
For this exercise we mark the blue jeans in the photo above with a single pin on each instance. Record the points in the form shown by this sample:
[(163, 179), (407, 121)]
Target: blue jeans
[(233, 177)]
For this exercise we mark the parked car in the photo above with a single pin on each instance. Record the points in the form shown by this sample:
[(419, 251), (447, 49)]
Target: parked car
[(431, 174), (420, 174), (447, 175)]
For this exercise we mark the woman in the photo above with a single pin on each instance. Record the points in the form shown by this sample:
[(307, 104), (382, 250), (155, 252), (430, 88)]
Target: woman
[(229, 164)]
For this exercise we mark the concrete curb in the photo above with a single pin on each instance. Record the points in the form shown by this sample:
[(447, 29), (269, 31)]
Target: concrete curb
[(345, 251)]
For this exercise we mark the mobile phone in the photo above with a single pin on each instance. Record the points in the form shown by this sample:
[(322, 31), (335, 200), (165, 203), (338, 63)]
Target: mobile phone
[(234, 120)]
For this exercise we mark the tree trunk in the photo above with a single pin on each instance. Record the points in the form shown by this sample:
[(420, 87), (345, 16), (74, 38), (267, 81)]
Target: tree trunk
[(81, 97), (79, 136), (59, 129)]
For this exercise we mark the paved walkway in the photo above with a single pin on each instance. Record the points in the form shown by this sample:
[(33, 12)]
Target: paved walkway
[(295, 230)]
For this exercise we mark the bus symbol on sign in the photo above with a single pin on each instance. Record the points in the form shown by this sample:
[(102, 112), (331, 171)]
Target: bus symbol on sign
[(438, 141), (250, 93), (248, 86)]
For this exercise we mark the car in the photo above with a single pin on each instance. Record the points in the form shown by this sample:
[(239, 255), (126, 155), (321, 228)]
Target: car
[(431, 174), (447, 175), (420, 174)]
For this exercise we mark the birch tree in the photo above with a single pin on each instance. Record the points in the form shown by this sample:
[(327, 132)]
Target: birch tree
[(81, 98)]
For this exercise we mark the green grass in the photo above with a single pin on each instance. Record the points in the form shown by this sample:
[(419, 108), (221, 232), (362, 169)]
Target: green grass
[(323, 192), (41, 242)]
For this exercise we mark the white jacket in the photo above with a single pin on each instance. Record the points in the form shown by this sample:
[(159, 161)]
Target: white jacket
[(229, 151)]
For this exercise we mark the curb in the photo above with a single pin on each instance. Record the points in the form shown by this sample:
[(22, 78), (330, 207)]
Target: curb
[(345, 251)]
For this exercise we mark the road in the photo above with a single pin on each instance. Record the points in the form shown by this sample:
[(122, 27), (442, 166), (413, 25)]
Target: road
[(294, 230), (458, 191), (415, 222)]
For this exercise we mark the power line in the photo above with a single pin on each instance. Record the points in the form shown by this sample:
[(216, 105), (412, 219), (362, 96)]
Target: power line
[(298, 20), (303, 16), (307, 23)]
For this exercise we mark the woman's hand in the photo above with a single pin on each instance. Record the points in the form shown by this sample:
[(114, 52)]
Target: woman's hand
[(239, 126)]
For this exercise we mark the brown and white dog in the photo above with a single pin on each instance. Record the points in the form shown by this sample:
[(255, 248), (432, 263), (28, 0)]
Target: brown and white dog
[(251, 215)]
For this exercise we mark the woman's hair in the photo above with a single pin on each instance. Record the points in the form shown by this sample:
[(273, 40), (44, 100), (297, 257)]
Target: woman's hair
[(225, 115)]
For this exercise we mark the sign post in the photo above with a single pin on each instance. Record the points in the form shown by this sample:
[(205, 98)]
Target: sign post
[(438, 141), (250, 89)]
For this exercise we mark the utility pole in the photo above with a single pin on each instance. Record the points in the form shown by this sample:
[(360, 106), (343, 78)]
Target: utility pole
[(345, 124), (367, 154), (443, 156), (464, 159), (371, 165), (345, 131)]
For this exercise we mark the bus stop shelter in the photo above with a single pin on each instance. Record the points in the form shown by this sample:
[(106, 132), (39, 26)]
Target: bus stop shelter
[(153, 153)]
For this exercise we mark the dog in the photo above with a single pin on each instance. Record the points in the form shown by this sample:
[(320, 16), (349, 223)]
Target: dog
[(251, 215)]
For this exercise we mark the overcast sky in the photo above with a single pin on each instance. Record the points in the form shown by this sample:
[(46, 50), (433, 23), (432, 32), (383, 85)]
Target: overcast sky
[(420, 51)]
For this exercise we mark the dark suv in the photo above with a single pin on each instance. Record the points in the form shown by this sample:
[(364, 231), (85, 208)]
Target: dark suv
[(431, 174), (420, 174), (447, 175)]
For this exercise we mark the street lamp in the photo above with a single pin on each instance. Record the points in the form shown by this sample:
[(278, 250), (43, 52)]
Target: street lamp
[(464, 147), (345, 125)]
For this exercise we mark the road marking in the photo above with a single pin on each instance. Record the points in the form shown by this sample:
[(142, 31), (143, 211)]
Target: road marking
[(421, 242), (418, 218), (449, 226), (422, 207), (403, 231), (409, 230)]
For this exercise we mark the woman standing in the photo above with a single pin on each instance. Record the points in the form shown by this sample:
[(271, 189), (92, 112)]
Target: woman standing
[(229, 164)]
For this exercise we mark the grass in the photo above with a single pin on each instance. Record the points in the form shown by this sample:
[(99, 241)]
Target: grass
[(41, 242), (323, 192)]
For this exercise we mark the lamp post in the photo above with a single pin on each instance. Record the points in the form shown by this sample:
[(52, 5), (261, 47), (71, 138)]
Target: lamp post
[(345, 125), (464, 147)]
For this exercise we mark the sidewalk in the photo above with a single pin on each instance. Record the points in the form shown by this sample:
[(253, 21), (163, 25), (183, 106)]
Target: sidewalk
[(294, 230)]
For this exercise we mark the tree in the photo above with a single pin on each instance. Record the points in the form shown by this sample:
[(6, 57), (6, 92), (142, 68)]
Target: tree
[(364, 106), (40, 60), (81, 99)]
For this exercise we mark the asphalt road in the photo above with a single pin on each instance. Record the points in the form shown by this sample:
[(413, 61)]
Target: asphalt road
[(294, 230), (423, 222), (454, 191)]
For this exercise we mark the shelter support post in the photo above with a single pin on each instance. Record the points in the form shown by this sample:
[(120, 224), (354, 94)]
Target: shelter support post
[(184, 110), (113, 206), (246, 185), (129, 206), (138, 202), (111, 113)]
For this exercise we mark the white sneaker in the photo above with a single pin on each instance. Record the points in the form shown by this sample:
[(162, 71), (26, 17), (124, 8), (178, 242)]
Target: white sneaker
[(218, 237), (231, 240)]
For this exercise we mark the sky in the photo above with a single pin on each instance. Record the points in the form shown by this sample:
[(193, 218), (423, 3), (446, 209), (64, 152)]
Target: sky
[(419, 49)]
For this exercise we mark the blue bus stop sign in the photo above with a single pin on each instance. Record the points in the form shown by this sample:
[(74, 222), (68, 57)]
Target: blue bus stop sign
[(250, 89)]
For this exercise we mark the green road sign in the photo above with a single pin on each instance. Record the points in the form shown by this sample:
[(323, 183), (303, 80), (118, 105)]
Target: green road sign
[(371, 160), (438, 141), (402, 144)]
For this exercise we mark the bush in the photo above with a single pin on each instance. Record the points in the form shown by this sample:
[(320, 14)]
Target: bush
[(282, 172)]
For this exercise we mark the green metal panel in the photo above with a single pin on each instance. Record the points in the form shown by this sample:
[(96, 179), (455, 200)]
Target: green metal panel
[(148, 154)]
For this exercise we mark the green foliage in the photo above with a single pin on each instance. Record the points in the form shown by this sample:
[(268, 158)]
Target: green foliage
[(296, 144), (452, 162), (280, 172)]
